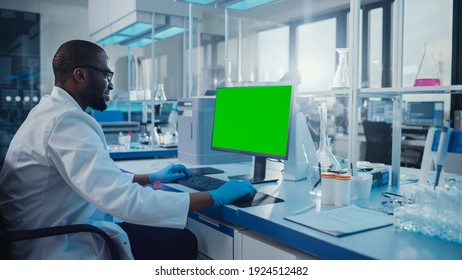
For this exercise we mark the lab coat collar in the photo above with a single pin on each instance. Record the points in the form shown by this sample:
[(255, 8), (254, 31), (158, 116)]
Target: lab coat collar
[(64, 96)]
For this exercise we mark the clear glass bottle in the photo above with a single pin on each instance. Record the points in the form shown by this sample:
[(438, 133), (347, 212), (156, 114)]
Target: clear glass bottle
[(342, 73), (154, 139), (428, 73), (159, 96), (327, 160)]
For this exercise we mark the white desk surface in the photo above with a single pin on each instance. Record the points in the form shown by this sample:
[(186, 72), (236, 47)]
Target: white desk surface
[(386, 243)]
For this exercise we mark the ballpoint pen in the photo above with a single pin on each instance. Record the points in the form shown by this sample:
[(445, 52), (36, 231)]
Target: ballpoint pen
[(319, 180), (316, 184), (352, 169)]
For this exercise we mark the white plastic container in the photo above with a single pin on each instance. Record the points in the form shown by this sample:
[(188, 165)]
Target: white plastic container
[(361, 186), (327, 187), (342, 189), (125, 140)]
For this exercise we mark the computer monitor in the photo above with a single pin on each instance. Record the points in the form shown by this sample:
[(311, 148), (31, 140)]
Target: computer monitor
[(425, 113), (380, 110), (253, 120)]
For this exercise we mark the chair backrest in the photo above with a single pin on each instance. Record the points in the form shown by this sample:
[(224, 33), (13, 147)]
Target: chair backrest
[(378, 141), (7, 237), (5, 244)]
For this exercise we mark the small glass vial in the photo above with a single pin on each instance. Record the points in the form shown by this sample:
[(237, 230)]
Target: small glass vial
[(342, 189), (327, 188)]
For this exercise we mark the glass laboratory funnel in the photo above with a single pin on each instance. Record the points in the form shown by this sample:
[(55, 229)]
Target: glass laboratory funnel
[(342, 73), (327, 160), (428, 73)]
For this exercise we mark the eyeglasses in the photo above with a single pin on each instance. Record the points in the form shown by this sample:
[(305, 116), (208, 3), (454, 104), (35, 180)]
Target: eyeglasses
[(108, 74)]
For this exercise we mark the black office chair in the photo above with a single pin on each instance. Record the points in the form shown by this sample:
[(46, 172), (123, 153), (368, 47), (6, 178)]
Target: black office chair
[(411, 156), (8, 237), (378, 141)]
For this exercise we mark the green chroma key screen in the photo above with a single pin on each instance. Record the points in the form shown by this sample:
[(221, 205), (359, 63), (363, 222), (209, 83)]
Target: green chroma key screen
[(253, 120)]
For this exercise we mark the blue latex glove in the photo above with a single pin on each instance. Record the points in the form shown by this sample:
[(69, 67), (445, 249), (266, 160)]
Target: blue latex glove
[(170, 173), (232, 191)]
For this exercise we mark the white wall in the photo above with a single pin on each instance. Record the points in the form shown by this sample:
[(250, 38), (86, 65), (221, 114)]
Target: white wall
[(61, 21), (169, 61)]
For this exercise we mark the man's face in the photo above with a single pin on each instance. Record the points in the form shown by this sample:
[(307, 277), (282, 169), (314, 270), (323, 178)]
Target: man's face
[(99, 85)]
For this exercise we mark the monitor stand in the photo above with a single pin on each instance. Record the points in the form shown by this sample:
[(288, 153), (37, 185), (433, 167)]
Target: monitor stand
[(259, 173)]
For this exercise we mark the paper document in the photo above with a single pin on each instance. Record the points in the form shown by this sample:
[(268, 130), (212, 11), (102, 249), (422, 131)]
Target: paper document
[(343, 221)]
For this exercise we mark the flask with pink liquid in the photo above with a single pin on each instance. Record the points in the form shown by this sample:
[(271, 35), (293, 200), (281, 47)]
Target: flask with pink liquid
[(428, 73)]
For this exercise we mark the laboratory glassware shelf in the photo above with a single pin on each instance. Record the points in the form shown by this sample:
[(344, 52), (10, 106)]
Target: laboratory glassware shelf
[(385, 92), (328, 93), (390, 92)]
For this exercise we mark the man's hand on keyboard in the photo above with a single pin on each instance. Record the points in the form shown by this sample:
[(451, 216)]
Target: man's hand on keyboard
[(232, 191), (170, 173)]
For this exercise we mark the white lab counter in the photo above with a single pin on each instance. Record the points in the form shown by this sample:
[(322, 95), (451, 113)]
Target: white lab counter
[(266, 223)]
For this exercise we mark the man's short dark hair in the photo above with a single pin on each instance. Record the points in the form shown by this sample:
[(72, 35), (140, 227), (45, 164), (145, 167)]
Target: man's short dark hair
[(71, 54)]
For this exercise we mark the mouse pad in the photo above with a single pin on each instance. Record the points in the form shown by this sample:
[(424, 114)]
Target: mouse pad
[(259, 199)]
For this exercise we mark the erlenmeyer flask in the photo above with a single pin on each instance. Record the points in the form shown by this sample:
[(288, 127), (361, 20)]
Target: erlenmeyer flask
[(428, 73), (327, 160), (342, 73), (160, 94)]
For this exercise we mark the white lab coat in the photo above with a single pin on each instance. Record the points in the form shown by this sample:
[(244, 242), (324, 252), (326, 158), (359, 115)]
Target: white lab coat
[(57, 171)]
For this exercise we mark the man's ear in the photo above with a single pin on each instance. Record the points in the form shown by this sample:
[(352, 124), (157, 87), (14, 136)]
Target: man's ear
[(79, 75)]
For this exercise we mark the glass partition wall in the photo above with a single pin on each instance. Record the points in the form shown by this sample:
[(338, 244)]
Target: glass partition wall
[(298, 46), (20, 71), (295, 42), (281, 41)]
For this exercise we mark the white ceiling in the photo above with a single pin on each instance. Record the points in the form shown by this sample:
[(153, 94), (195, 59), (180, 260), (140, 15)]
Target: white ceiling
[(284, 11)]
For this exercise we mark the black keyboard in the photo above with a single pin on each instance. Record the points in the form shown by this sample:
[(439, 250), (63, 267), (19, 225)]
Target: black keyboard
[(206, 183), (201, 182)]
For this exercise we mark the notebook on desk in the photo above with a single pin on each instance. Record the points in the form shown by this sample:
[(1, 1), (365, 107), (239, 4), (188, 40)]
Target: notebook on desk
[(343, 221)]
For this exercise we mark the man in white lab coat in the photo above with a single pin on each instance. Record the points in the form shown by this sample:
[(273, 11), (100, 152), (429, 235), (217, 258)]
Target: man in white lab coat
[(57, 171)]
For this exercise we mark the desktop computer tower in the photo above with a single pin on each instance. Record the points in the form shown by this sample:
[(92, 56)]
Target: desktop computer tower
[(195, 123)]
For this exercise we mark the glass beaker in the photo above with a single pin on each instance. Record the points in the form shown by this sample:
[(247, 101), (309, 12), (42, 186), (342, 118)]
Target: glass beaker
[(428, 73), (342, 73), (327, 160)]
